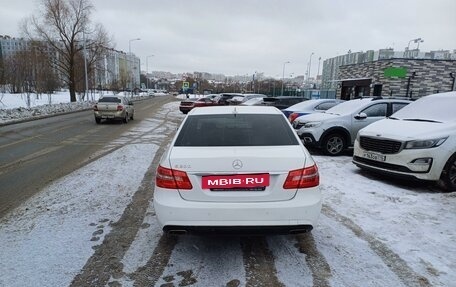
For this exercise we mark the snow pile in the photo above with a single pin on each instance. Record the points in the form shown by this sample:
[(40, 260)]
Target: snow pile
[(13, 107), (21, 113)]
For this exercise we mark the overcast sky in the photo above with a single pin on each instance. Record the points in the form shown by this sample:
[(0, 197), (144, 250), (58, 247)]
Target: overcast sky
[(239, 37)]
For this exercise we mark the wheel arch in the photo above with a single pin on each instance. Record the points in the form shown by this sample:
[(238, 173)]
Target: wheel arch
[(340, 130), (443, 180)]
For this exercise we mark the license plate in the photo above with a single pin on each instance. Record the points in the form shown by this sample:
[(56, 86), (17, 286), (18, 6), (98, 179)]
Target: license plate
[(374, 156), (235, 181)]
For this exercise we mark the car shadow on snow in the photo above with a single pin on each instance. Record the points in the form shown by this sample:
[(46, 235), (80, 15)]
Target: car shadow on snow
[(409, 184)]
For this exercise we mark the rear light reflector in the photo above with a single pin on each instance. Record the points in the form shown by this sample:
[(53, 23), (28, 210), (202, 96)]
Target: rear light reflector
[(302, 178), (292, 117), (172, 178), (119, 108)]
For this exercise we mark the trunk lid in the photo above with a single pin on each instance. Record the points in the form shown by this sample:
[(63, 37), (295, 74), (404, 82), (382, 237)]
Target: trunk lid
[(238, 162)]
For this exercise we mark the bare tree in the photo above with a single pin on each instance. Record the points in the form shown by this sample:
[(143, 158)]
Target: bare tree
[(61, 25)]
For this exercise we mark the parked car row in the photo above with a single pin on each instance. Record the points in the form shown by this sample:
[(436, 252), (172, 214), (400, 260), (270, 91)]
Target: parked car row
[(335, 129), (239, 99), (402, 138)]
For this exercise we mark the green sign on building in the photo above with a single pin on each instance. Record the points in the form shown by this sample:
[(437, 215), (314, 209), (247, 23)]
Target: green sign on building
[(395, 72)]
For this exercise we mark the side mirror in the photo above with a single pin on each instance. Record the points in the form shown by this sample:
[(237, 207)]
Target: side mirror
[(361, 116)]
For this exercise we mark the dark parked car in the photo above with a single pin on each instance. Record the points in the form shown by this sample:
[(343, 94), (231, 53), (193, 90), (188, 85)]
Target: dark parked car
[(223, 100), (188, 104), (282, 102)]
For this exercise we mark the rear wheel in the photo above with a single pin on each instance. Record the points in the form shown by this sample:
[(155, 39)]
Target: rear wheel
[(334, 144), (97, 120), (132, 117), (127, 117), (448, 177)]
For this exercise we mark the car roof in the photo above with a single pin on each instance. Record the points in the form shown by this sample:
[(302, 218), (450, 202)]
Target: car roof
[(235, 109)]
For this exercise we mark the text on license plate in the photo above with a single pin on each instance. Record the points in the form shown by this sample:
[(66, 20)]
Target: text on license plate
[(235, 181), (374, 156)]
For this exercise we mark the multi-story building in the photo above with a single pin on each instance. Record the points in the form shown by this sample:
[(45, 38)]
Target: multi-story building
[(114, 68), (10, 45)]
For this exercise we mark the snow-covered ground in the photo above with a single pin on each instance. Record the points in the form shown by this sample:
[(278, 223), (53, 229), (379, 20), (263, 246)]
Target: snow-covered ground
[(15, 107), (372, 232)]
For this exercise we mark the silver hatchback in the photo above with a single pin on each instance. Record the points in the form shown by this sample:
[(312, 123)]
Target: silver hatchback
[(114, 108)]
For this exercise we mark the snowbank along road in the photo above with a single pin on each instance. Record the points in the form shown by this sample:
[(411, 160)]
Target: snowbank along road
[(97, 227)]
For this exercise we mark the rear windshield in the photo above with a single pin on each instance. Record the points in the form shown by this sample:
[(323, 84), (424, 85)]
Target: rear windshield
[(236, 130), (109, 100)]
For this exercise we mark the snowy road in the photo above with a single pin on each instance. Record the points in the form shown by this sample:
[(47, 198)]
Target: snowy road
[(96, 227)]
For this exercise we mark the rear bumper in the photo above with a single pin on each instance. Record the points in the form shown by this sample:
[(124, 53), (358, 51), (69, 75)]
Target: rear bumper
[(237, 230), (109, 115), (309, 140), (299, 214)]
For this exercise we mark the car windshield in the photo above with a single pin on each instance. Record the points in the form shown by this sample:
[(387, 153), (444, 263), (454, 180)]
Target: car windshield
[(433, 109), (236, 130), (304, 105), (109, 100), (237, 98), (253, 101), (348, 107)]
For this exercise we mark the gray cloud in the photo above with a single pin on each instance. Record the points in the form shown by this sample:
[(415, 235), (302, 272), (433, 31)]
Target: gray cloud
[(241, 37)]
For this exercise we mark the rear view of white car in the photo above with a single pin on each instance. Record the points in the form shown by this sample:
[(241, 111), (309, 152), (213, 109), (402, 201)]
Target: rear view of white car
[(228, 171), (417, 142)]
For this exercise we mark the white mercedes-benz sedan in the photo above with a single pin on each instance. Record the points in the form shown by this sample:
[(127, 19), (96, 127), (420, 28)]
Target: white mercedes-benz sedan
[(238, 169)]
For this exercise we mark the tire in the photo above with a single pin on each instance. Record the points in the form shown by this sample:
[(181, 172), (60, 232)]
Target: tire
[(98, 120), (334, 144), (127, 117), (132, 117), (448, 176)]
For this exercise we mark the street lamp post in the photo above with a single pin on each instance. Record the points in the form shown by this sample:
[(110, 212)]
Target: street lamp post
[(283, 75), (420, 41), (417, 40), (129, 53), (86, 93), (318, 71), (310, 65), (147, 70)]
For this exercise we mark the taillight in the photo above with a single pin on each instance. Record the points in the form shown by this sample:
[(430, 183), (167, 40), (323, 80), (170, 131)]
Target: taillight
[(302, 178), (292, 117), (172, 178), (95, 108), (119, 108)]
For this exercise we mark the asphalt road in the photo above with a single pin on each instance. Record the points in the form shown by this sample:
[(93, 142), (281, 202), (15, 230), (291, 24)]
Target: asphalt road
[(32, 154)]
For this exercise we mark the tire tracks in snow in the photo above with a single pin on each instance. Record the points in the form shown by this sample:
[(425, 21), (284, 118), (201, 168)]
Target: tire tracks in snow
[(394, 262), (106, 261), (259, 262), (317, 263)]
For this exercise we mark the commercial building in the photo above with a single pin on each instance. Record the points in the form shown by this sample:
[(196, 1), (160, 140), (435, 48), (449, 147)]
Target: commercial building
[(386, 72)]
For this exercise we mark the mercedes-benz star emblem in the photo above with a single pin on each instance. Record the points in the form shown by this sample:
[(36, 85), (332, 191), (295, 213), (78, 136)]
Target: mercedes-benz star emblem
[(237, 164)]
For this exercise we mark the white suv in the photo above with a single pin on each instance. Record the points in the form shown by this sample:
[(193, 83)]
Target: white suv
[(226, 170), (335, 129), (417, 142)]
